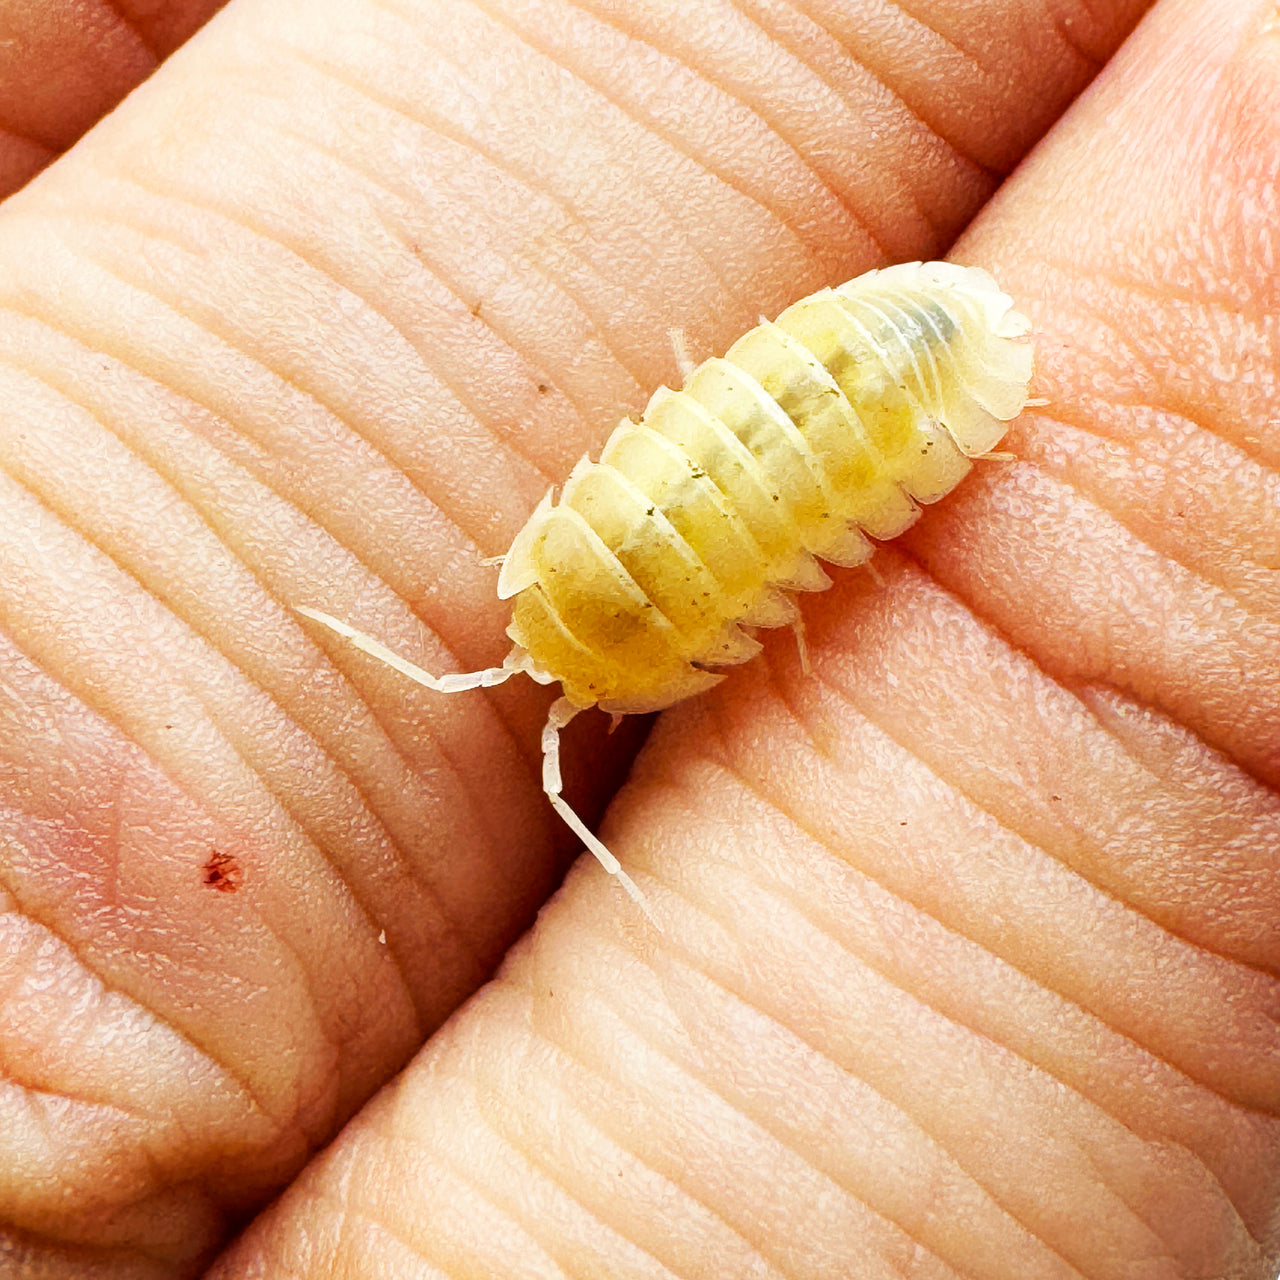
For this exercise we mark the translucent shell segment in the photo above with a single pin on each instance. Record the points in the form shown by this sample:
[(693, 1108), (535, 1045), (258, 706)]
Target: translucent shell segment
[(852, 464), (815, 430)]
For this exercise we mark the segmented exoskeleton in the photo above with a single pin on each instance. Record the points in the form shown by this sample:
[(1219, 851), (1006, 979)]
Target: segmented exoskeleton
[(699, 521)]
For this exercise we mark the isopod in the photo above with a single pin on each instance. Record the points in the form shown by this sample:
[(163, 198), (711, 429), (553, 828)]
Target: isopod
[(814, 433)]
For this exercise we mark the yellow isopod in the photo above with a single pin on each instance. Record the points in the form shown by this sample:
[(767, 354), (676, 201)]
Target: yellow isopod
[(701, 520)]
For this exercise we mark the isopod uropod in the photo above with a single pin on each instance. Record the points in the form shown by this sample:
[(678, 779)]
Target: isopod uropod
[(698, 523)]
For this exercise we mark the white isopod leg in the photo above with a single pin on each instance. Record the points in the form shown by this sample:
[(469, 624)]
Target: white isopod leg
[(680, 349), (802, 644), (458, 683), (562, 711)]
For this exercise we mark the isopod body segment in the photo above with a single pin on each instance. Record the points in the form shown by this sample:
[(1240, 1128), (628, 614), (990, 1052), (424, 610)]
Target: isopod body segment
[(830, 423)]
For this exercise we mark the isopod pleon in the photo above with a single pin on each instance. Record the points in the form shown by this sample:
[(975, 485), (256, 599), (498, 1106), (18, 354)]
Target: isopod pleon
[(814, 433)]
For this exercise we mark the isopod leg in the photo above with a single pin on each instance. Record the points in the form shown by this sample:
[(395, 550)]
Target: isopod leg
[(562, 711), (456, 683), (680, 349), (802, 645)]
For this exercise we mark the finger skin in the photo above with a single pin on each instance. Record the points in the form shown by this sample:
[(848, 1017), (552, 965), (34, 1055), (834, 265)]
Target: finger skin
[(969, 963), (65, 63), (316, 317)]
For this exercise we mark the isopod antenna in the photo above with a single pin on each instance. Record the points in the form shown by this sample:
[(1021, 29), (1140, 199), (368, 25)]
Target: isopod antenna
[(562, 711)]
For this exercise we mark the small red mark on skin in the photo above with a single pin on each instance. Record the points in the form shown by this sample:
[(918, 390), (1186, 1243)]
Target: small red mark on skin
[(223, 872)]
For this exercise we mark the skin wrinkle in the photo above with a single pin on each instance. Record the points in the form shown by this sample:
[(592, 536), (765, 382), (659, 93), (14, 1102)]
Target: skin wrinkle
[(241, 1085), (29, 1085), (849, 695), (725, 765), (186, 1037), (508, 439), (883, 75), (436, 500), (1121, 746), (1062, 415), (29, 911), (1104, 668), (411, 871), (434, 270), (902, 190), (241, 428), (1062, 27), (615, 1144), (113, 7), (637, 110), (308, 979), (503, 165), (47, 1247), (778, 1132), (1101, 315), (918, 21), (534, 1029), (1145, 1214), (918, 111), (445, 1159), (914, 112), (344, 1211), (495, 858), (485, 1114), (440, 127), (466, 944), (775, 1263), (779, 806), (21, 136), (1100, 700), (1162, 295), (667, 1175), (328, 754), (684, 954), (678, 223), (1091, 496), (1183, 414), (433, 499), (302, 392), (15, 905), (647, 120), (1237, 1219), (782, 892), (1179, 414), (23, 157), (1139, 694), (87, 1255), (35, 1092), (50, 1129), (523, 988)]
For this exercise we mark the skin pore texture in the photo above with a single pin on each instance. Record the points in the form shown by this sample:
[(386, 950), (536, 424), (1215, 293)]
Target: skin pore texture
[(969, 956)]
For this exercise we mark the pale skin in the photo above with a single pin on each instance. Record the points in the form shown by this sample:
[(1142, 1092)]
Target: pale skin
[(968, 962)]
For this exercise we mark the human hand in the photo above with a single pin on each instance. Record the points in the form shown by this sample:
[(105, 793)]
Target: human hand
[(1022, 1033)]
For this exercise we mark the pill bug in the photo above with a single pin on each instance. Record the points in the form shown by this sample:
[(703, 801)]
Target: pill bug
[(814, 433)]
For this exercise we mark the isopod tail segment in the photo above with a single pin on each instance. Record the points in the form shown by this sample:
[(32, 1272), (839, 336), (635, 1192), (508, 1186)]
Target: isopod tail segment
[(561, 713)]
